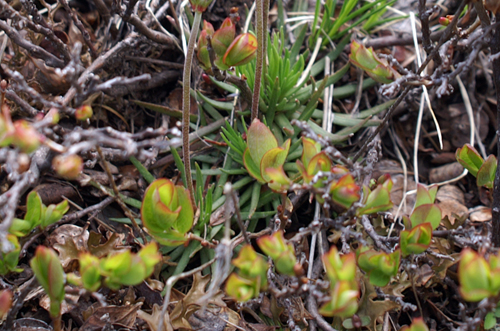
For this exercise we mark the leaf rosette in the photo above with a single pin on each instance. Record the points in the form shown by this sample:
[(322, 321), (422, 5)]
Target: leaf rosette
[(263, 155), (129, 269), (344, 289), (378, 199), (416, 240), (167, 212), (312, 161), (479, 278), (251, 278), (380, 266), (282, 253)]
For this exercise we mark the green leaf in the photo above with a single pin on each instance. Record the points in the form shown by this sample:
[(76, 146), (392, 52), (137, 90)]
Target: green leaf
[(179, 164), (20, 228), (430, 213), (9, 260), (242, 289), (49, 273), (227, 106), (469, 158), (165, 110), (377, 200), (252, 168), (256, 187), (486, 174), (260, 140), (424, 196), (417, 240), (34, 209), (89, 271), (186, 216), (274, 158), (345, 191), (273, 245), (474, 275), (378, 278), (53, 213), (199, 186), (142, 170), (225, 86), (490, 321)]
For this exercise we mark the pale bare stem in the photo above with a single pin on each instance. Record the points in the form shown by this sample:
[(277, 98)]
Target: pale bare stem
[(186, 105), (79, 25), (260, 59), (231, 195), (171, 282), (9, 201), (97, 64)]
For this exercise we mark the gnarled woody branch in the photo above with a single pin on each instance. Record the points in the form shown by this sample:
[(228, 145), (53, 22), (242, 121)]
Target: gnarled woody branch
[(42, 27), (79, 25), (33, 50), (143, 28)]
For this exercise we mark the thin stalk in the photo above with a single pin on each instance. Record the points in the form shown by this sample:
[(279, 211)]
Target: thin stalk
[(260, 58), (186, 104), (495, 210), (57, 323), (265, 19)]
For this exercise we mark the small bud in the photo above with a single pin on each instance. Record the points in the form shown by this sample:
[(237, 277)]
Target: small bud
[(233, 15), (68, 166), (203, 54), (444, 21), (298, 270), (3, 84), (241, 51), (83, 113), (200, 5), (209, 28), (26, 137), (24, 162), (223, 37), (53, 115), (206, 79)]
